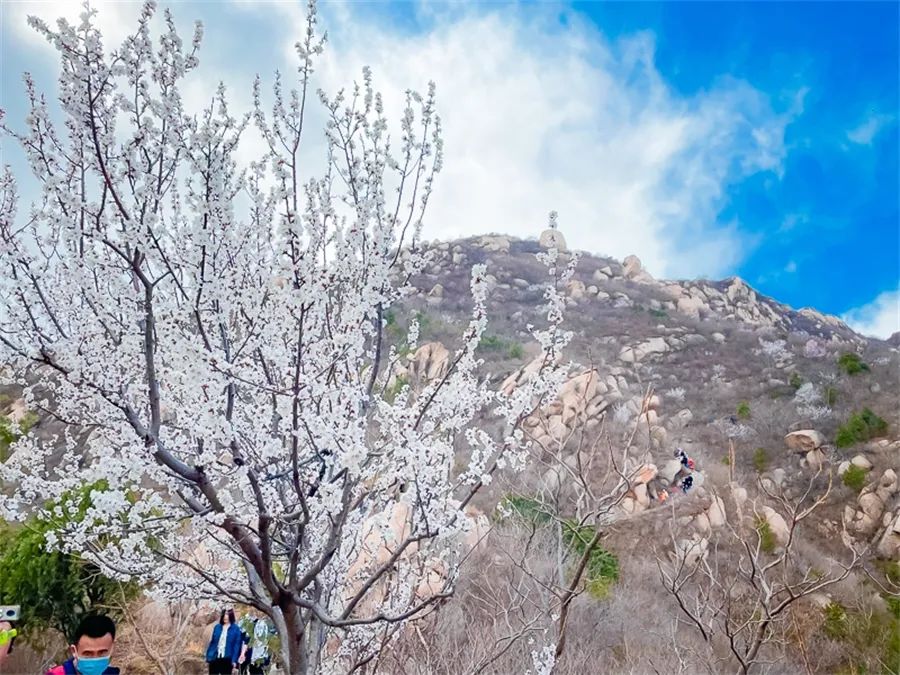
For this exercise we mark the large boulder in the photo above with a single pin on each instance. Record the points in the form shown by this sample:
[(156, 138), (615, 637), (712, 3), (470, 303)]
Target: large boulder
[(777, 525), (495, 244), (553, 239), (889, 544), (715, 514), (691, 306), (669, 470), (867, 516), (634, 270), (641, 496), (690, 551), (815, 459), (871, 505), (644, 474), (577, 393), (655, 345), (738, 494), (862, 462), (576, 289), (888, 481), (524, 374), (430, 362), (804, 440), (682, 418)]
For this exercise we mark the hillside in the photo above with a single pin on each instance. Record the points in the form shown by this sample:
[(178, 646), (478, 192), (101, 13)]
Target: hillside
[(765, 399), (699, 365)]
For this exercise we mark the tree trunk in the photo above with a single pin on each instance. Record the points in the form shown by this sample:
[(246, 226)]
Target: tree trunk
[(290, 632)]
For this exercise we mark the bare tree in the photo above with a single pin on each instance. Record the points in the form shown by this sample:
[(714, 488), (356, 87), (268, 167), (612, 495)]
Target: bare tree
[(160, 633), (737, 593)]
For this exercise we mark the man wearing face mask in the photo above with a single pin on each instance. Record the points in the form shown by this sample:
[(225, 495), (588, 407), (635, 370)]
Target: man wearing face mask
[(91, 648)]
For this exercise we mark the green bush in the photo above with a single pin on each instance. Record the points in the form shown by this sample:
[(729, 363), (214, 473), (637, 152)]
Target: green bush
[(391, 392), (861, 426), (851, 364), (495, 343), (55, 589), (424, 321), (602, 567), (870, 638), (796, 381), (659, 313), (835, 624), (393, 329), (890, 569), (10, 432), (854, 477), (760, 460), (492, 343), (743, 410), (525, 508), (768, 542)]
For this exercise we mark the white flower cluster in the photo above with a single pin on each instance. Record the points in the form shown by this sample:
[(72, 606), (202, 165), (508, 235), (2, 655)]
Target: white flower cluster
[(543, 660), (676, 394), (775, 350), (808, 401), (211, 336)]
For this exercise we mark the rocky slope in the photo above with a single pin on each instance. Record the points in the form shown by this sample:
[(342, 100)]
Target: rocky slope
[(762, 397), (724, 365)]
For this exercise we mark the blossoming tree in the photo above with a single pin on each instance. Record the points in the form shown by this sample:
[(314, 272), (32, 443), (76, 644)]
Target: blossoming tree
[(210, 336)]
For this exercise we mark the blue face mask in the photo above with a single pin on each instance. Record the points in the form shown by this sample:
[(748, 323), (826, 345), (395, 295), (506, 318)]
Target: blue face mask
[(94, 666)]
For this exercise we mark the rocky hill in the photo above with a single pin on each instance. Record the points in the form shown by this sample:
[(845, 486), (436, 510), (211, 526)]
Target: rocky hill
[(722, 359), (763, 398)]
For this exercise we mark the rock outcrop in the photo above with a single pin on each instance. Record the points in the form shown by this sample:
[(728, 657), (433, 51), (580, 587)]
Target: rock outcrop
[(634, 270), (430, 362), (863, 520), (804, 440), (655, 345), (495, 244), (551, 238), (777, 524)]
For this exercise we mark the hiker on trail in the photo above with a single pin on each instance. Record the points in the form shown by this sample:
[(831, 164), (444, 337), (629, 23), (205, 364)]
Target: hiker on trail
[(258, 658), (225, 645), (91, 648), (686, 461)]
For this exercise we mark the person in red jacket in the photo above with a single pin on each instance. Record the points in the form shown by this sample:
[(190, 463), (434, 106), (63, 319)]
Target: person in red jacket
[(91, 648)]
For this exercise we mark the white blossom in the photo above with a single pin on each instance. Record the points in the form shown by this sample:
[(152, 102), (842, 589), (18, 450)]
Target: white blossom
[(212, 337)]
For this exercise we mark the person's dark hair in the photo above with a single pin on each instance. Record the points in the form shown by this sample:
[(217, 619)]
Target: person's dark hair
[(230, 617), (94, 626)]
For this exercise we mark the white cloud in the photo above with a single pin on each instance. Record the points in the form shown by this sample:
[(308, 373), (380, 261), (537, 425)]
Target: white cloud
[(879, 318), (538, 116), (869, 128), (114, 18)]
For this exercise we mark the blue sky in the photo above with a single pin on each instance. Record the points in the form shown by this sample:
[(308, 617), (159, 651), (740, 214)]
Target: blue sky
[(757, 139)]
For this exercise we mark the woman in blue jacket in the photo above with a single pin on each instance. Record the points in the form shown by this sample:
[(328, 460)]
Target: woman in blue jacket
[(224, 651)]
